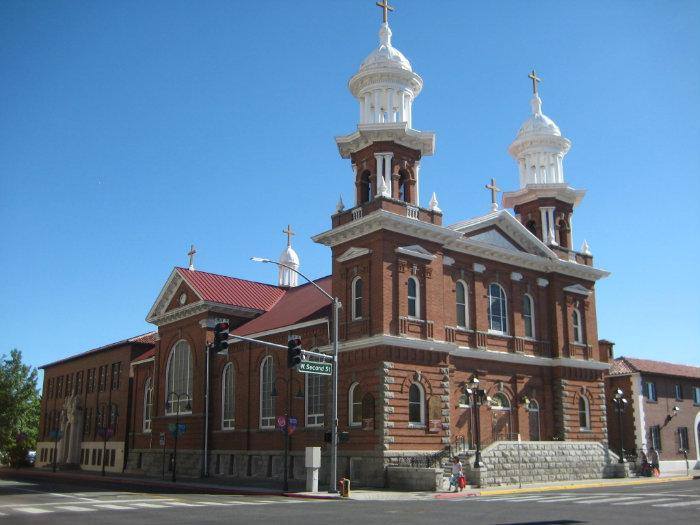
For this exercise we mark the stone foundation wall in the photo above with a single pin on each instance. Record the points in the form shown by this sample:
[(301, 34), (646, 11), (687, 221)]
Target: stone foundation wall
[(511, 462)]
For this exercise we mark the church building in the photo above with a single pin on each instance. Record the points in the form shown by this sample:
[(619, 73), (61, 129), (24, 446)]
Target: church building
[(429, 310)]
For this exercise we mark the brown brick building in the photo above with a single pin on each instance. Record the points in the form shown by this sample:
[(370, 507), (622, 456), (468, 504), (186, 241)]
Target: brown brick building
[(664, 410), (427, 308)]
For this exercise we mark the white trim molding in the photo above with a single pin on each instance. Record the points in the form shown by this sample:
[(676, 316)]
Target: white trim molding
[(353, 253), (417, 251)]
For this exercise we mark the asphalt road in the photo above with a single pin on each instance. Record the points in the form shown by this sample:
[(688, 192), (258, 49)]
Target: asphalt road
[(39, 502)]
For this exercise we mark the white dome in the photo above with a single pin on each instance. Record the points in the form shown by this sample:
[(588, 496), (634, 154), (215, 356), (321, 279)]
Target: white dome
[(385, 55), (289, 257), (538, 122)]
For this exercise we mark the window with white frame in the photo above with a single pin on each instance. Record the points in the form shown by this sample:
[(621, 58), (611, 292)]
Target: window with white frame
[(461, 304), (147, 404), (267, 384), (696, 395), (179, 379), (682, 438), (355, 405), (578, 328), (529, 315), (228, 415), (650, 390), (413, 297), (314, 400), (357, 298), (584, 413), (498, 310), (655, 437), (678, 391), (416, 405)]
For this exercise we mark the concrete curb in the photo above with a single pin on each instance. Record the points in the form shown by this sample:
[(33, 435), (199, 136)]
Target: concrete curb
[(571, 486)]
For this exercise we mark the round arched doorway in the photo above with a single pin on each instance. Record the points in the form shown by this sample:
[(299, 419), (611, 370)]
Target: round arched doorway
[(500, 408)]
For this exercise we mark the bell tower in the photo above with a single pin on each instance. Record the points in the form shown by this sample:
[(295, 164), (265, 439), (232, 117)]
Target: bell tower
[(545, 202), (385, 150)]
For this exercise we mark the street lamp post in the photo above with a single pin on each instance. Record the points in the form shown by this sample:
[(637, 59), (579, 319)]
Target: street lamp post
[(620, 403), (334, 424), (106, 430), (57, 434), (287, 415), (178, 397), (478, 396)]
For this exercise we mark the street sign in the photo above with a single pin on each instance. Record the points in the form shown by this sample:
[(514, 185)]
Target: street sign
[(177, 430), (161, 439), (281, 421), (311, 367), (292, 426)]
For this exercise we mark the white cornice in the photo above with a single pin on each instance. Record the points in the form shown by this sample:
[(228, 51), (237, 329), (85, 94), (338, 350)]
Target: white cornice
[(578, 289), (166, 295), (199, 307), (353, 253), (398, 132), (560, 191), (415, 251), (461, 351), (454, 240)]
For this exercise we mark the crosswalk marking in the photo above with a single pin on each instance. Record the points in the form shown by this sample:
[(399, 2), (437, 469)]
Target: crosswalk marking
[(679, 503), (564, 499), (183, 504), (76, 509), (608, 500), (114, 507), (149, 505), (33, 510), (212, 503), (645, 502)]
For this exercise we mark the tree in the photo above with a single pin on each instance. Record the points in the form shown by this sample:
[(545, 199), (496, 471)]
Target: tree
[(19, 408)]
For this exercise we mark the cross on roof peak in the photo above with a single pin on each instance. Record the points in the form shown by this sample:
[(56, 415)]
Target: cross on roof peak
[(191, 255), (535, 80), (289, 234), (384, 4), (494, 194)]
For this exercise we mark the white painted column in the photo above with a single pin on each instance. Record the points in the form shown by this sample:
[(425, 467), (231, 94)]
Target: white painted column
[(550, 214), (560, 168), (390, 105), (416, 169), (523, 172), (570, 218), (380, 173), (409, 111), (545, 228), (387, 172), (377, 107), (402, 106)]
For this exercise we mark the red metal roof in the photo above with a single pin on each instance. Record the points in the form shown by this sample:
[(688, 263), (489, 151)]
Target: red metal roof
[(299, 304), (232, 291), (630, 365), (146, 355), (148, 338)]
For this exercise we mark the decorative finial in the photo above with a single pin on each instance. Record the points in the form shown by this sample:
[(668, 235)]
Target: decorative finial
[(433, 206), (191, 255), (535, 80), (340, 206), (494, 194), (289, 234), (384, 4), (585, 249)]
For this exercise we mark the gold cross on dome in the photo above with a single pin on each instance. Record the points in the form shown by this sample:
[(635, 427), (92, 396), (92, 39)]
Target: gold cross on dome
[(191, 254), (289, 234), (535, 80), (494, 194), (384, 4)]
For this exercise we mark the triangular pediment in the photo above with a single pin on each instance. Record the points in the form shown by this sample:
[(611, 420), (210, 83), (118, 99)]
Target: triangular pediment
[(415, 250), (175, 294), (578, 289), (503, 231), (353, 253)]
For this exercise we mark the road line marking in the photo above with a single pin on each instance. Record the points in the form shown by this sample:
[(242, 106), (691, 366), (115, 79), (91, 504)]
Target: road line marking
[(76, 509), (149, 505), (156, 500), (114, 507), (645, 502), (610, 500), (183, 504), (679, 504), (33, 510)]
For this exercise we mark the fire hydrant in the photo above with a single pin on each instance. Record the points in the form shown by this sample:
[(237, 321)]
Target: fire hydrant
[(344, 487)]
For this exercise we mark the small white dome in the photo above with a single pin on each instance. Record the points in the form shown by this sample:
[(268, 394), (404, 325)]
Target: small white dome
[(385, 55), (538, 122), (289, 257)]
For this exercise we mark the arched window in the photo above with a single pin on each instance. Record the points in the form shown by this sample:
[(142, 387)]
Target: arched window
[(355, 405), (147, 404), (500, 417), (529, 315), (267, 383), (563, 234), (228, 415), (413, 297), (499, 402), (179, 379), (584, 413), (533, 413), (416, 405), (578, 328), (403, 186), (365, 188), (498, 311), (314, 400), (461, 304), (357, 298)]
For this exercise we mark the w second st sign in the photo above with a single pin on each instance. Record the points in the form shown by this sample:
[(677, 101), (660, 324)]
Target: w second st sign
[(310, 367)]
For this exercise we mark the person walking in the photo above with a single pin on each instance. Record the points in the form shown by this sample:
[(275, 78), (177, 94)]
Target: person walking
[(457, 478)]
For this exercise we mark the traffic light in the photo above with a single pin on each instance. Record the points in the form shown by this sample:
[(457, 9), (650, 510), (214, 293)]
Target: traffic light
[(221, 337), (294, 351)]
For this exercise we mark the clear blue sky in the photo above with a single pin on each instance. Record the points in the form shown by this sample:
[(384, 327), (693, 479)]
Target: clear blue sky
[(129, 130)]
